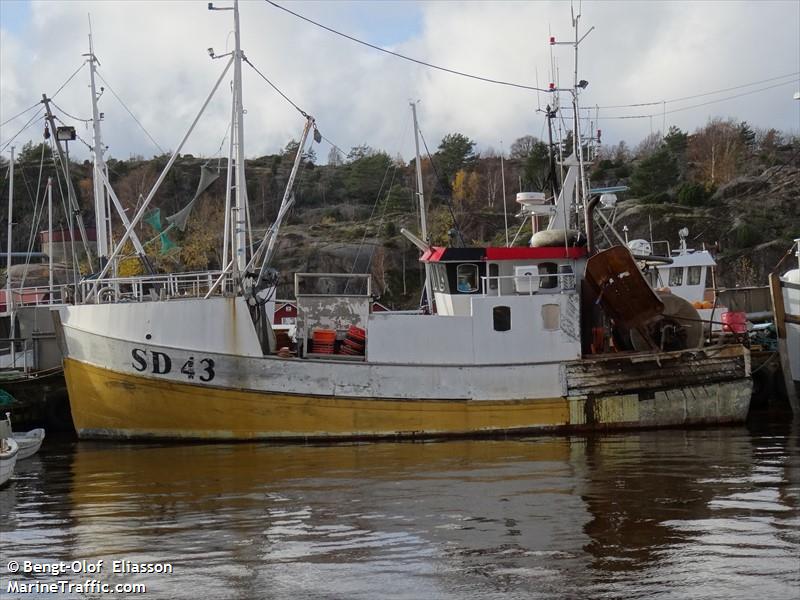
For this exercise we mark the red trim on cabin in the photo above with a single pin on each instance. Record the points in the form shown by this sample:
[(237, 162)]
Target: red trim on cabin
[(534, 253), (440, 254), (433, 255)]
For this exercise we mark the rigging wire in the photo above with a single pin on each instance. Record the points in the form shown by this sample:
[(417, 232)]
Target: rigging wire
[(404, 134), (290, 101), (69, 115), (660, 102), (683, 108), (4, 123), (37, 216), (147, 133), (408, 58), (274, 87), (456, 226), (24, 127), (63, 85), (769, 87)]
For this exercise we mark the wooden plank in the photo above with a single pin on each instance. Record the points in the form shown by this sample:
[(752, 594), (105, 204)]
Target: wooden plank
[(623, 374)]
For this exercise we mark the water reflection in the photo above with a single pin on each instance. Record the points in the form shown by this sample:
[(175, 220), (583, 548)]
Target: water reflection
[(675, 513)]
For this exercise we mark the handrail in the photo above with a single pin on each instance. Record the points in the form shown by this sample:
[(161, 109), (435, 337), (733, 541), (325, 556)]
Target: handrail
[(565, 282), (161, 286)]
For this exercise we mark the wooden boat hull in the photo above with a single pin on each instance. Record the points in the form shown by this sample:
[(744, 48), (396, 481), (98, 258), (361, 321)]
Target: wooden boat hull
[(107, 404)]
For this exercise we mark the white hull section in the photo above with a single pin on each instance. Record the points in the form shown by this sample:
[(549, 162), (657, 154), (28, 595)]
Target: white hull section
[(8, 459), (196, 354), (791, 302)]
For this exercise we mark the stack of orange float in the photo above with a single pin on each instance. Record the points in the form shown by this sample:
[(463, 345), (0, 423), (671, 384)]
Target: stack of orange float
[(323, 341), (355, 342)]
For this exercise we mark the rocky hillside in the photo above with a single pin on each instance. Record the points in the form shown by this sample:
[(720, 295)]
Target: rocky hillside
[(736, 189)]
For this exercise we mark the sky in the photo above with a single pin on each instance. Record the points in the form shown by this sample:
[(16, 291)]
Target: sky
[(153, 55)]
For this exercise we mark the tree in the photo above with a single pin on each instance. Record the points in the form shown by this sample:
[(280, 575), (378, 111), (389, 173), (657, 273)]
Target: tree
[(747, 135), (465, 187), (32, 153), (523, 147), (655, 174), (536, 166), (676, 142), (335, 158), (290, 151), (648, 146), (456, 151), (359, 152), (716, 151), (365, 176)]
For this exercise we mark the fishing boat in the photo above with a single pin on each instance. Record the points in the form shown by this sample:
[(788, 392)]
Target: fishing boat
[(513, 339), (8, 451), (30, 359)]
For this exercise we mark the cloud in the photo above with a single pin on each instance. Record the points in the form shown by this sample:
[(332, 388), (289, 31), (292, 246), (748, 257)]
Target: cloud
[(153, 54)]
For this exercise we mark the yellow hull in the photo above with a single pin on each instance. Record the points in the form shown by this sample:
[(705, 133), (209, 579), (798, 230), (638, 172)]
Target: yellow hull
[(110, 404)]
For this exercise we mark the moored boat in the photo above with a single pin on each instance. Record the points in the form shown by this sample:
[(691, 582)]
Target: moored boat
[(8, 451), (28, 442), (513, 340)]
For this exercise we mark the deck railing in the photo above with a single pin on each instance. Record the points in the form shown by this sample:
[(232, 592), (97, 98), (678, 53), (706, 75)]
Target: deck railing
[(163, 286), (528, 285)]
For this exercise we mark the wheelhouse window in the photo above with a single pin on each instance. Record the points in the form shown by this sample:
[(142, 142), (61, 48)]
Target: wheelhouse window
[(694, 275), (441, 271), (501, 318), (547, 275), (676, 276), (467, 278)]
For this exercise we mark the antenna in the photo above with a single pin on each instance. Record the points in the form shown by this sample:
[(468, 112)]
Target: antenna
[(538, 99), (503, 179)]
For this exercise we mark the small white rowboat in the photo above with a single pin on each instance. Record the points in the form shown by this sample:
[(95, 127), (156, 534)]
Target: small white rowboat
[(29, 442)]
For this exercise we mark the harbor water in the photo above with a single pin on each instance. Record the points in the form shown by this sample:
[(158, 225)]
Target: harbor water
[(703, 513)]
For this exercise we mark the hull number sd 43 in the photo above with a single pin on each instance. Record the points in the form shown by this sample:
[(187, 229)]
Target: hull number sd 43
[(161, 363)]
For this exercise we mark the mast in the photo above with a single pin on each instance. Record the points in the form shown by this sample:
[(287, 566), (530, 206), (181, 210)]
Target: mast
[(101, 215), (226, 240), (9, 302), (241, 183), (576, 136), (9, 297), (422, 215), (503, 178), (581, 192), (50, 236), (72, 198), (551, 114)]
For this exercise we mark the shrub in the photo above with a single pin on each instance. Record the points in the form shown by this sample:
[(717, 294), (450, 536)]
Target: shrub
[(694, 194)]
